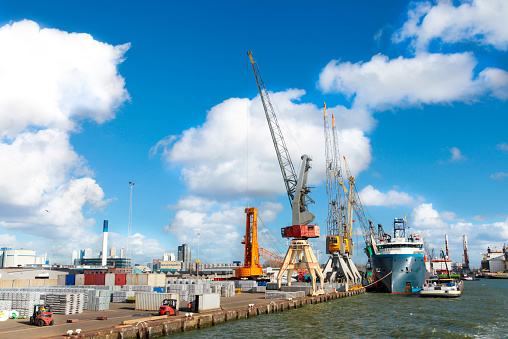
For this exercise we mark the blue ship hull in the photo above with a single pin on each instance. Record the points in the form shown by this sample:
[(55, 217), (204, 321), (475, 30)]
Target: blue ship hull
[(407, 272)]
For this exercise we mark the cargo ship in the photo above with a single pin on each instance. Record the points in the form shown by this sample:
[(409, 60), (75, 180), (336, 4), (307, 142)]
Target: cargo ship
[(398, 261)]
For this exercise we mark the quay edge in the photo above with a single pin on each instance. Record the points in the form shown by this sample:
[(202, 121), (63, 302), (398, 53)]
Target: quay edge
[(167, 326)]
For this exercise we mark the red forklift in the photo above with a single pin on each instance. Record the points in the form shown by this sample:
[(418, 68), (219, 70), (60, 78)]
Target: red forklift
[(168, 307), (42, 316)]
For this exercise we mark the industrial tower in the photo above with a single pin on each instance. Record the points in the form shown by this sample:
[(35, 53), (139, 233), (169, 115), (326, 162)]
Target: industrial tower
[(299, 255)]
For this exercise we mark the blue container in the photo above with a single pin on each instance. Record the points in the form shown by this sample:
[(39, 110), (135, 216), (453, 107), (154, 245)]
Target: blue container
[(261, 283), (70, 279), (159, 289)]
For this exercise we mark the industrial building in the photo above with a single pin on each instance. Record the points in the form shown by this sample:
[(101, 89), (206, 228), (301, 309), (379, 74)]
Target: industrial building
[(495, 260), (18, 258)]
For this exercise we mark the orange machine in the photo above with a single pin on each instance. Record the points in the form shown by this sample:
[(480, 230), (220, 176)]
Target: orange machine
[(251, 267)]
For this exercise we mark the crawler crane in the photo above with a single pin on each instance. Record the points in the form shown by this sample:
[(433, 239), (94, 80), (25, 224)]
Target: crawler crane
[(300, 254)]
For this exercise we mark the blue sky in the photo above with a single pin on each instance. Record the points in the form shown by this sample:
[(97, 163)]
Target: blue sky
[(163, 94)]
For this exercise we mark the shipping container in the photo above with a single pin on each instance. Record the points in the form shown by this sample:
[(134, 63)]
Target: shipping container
[(209, 301), (132, 279), (90, 279), (142, 279), (159, 289), (61, 281), (110, 279), (150, 301), (120, 279), (100, 279), (79, 280), (156, 280), (70, 279)]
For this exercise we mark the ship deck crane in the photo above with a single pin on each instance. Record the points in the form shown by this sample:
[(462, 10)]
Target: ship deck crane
[(300, 254), (339, 242)]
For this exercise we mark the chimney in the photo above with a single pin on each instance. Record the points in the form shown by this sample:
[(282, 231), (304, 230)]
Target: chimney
[(105, 243)]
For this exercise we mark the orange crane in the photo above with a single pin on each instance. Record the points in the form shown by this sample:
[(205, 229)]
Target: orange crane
[(251, 266)]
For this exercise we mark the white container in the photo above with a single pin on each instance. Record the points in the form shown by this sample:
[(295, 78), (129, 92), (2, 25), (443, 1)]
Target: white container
[(152, 301), (110, 279), (61, 280), (208, 301), (142, 279), (79, 280), (132, 279)]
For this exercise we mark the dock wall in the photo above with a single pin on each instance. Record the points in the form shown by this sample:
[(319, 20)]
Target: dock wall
[(154, 327)]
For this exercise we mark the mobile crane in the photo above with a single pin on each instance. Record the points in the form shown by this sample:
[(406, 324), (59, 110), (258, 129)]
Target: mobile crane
[(300, 254)]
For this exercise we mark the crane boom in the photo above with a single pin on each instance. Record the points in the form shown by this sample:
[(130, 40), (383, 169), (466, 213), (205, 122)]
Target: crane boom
[(296, 185), (286, 165)]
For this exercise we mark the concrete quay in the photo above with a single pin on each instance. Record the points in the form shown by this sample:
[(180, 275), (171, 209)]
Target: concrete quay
[(124, 322)]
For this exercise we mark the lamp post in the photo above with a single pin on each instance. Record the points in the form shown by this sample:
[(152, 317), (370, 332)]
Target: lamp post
[(130, 226)]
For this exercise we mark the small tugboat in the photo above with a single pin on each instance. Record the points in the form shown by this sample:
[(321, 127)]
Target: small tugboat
[(442, 288)]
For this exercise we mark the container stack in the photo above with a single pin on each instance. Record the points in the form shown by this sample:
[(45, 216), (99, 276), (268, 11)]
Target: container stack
[(186, 288)]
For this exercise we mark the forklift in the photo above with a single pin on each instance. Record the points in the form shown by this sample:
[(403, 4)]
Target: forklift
[(168, 307), (42, 315)]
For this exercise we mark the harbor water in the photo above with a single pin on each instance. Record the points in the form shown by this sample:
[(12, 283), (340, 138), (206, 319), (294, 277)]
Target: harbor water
[(481, 312)]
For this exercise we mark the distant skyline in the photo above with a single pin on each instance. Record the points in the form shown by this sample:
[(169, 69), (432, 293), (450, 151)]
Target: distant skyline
[(97, 95)]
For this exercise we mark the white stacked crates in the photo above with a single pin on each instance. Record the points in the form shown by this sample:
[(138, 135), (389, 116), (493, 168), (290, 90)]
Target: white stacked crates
[(187, 288), (21, 301), (122, 296)]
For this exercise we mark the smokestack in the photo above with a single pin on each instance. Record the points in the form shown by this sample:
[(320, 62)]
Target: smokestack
[(105, 243), (446, 245)]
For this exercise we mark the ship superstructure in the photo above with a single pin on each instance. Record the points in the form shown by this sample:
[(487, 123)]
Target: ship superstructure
[(398, 262)]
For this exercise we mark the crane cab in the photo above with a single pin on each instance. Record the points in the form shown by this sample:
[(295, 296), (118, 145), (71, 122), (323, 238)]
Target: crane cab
[(332, 244)]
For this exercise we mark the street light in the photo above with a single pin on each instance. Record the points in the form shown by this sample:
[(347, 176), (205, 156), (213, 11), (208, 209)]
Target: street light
[(130, 225)]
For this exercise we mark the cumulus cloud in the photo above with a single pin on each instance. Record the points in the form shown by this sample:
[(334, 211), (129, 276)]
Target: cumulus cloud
[(7, 240), (382, 83), (372, 197), (480, 21), (425, 217), (456, 154), (231, 154), (51, 80)]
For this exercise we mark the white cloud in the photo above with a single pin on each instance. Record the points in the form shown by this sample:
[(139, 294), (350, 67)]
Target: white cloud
[(425, 217), (51, 80), (382, 83), (8, 240), (447, 215), (456, 154), (480, 21), (232, 155), (499, 176), (372, 197)]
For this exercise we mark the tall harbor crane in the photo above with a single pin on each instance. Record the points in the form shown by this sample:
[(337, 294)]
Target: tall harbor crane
[(339, 242), (300, 254), (251, 266)]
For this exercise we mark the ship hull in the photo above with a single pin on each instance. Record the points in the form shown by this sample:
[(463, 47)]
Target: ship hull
[(398, 273)]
